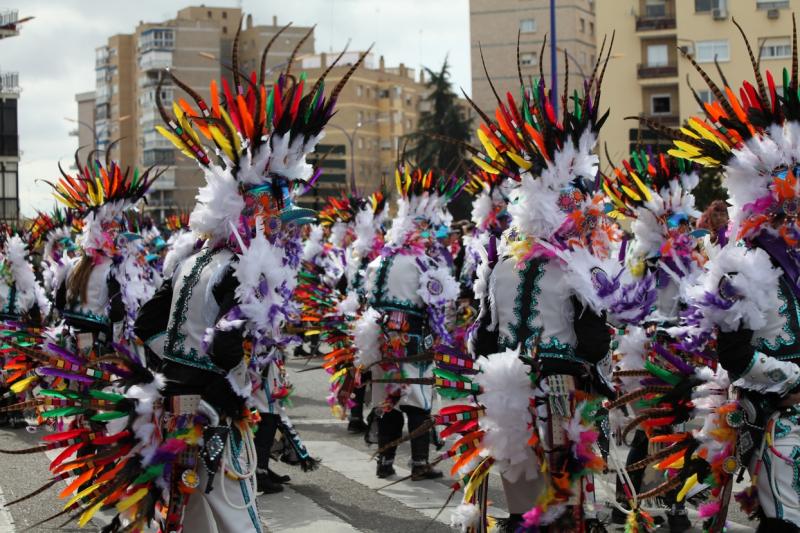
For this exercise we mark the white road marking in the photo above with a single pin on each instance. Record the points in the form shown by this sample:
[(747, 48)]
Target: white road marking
[(426, 497), (6, 520), (291, 512)]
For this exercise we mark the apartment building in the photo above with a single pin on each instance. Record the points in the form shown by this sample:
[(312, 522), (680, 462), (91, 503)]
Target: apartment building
[(375, 110), (9, 136), (196, 46), (494, 26), (647, 75)]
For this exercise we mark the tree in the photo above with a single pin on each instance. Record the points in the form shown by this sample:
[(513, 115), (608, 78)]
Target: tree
[(443, 124), (442, 116)]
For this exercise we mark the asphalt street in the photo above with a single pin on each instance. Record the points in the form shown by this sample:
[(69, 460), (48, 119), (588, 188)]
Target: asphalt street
[(342, 495)]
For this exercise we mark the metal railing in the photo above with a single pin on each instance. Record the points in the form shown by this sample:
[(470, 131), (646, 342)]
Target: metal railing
[(777, 4), (645, 71), (9, 82), (8, 17), (646, 23)]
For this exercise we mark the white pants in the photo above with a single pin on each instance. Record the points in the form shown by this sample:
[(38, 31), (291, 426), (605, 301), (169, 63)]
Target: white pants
[(779, 478), (224, 509)]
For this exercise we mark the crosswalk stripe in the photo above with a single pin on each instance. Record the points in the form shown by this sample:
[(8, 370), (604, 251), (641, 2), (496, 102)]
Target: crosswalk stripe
[(426, 497), (6, 520), (291, 512)]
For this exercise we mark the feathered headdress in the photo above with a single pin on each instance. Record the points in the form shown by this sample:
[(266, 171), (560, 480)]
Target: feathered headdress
[(251, 140), (337, 209), (656, 191), (423, 196), (530, 143), (177, 222), (102, 193), (48, 226), (754, 136)]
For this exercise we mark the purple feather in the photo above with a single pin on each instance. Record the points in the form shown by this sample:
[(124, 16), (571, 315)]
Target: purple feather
[(63, 353), (673, 359), (55, 372)]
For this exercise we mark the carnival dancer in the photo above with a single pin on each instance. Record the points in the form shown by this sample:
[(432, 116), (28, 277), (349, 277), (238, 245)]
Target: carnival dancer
[(410, 287), (748, 295), (218, 321), (655, 192), (544, 289), (23, 310), (51, 235)]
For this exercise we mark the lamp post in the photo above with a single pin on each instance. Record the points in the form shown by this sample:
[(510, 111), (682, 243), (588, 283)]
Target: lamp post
[(351, 141), (86, 125)]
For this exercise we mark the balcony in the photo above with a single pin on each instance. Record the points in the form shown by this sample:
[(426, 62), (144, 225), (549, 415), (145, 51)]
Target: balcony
[(9, 83), (646, 23), (8, 23), (166, 181), (644, 71), (155, 60), (767, 5), (665, 120)]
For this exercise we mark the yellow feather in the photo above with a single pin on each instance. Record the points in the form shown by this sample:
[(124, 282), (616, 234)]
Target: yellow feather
[(690, 133), (487, 144), (131, 500), (100, 197), (475, 481), (485, 166), (397, 181), (631, 193), (642, 187), (521, 163), (184, 122), (81, 494), (703, 131), (338, 374), (688, 148), (237, 142), (223, 143), (174, 139), (89, 513), (22, 384), (691, 482)]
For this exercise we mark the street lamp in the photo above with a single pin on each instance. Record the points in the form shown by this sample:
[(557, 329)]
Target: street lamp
[(351, 139), (86, 125)]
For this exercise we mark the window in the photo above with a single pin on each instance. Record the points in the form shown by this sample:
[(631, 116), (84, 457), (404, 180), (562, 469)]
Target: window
[(224, 14), (159, 38), (661, 104), (360, 143), (224, 29), (591, 29), (209, 14), (776, 48), (583, 25), (361, 116), (702, 6), (527, 59), (705, 51), (657, 55), (359, 91), (706, 96), (772, 4), (655, 8), (527, 25)]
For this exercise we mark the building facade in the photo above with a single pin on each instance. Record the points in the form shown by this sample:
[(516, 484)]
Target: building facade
[(196, 46), (9, 136), (494, 26), (377, 108), (647, 75)]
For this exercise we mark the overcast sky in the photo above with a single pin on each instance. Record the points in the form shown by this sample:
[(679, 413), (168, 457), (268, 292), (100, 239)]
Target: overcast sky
[(54, 55)]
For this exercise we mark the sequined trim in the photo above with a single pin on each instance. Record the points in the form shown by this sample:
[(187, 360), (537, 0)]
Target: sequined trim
[(381, 300), (91, 317), (174, 349)]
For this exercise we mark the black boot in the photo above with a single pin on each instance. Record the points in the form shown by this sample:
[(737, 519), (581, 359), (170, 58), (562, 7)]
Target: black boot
[(385, 467), (678, 520), (265, 484), (277, 478), (357, 425), (421, 471)]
